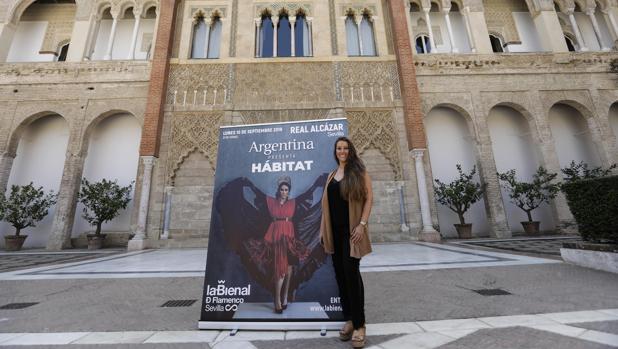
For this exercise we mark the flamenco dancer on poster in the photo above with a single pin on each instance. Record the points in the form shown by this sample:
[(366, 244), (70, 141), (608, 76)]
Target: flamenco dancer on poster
[(346, 205), (279, 245)]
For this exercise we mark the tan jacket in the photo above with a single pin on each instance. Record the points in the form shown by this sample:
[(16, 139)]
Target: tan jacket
[(326, 231)]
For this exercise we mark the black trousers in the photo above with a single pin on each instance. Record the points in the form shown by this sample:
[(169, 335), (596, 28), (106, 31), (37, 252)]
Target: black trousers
[(347, 272)]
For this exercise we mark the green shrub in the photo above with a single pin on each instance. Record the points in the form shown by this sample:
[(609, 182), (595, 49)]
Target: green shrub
[(103, 201), (459, 194), (594, 204), (25, 206), (530, 195)]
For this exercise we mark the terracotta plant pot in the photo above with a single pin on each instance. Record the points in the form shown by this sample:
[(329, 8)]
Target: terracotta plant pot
[(464, 230), (531, 228), (95, 242), (14, 242)]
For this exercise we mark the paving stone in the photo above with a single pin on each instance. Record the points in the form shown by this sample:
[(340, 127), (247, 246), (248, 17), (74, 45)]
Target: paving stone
[(322, 343), (19, 261), (519, 338), (602, 326), (528, 245)]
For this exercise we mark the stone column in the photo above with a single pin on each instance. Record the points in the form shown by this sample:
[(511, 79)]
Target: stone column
[(207, 43), (7, 31), (578, 34), (6, 164), (275, 23), (428, 233), (494, 204), (550, 31), (563, 217), (92, 40), (310, 26), (137, 14), (597, 31), (62, 226), (430, 31), (359, 20), (464, 14), (139, 240), (478, 29), (611, 23), (167, 212), (258, 37), (449, 27), (153, 118), (112, 37), (154, 35), (293, 34)]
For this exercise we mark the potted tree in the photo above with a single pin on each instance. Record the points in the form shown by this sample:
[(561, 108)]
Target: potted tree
[(102, 202), (24, 207), (530, 195), (458, 196)]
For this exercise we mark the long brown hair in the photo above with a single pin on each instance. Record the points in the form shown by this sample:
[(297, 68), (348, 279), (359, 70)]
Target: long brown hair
[(353, 183)]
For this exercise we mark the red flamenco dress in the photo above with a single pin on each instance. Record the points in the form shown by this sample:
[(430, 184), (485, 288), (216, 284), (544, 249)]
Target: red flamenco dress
[(280, 248)]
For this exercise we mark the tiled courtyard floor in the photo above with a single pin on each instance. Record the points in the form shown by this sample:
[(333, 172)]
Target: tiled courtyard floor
[(418, 295)]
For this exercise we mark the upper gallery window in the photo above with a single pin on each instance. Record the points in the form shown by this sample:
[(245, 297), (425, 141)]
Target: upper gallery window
[(283, 35), (423, 45), (360, 36), (206, 36)]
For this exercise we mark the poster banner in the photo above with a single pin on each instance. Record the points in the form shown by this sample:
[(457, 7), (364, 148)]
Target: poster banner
[(265, 262)]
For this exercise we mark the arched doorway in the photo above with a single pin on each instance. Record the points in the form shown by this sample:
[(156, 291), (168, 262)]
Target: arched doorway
[(43, 29), (450, 143), (572, 137), (113, 154), (514, 148), (40, 159)]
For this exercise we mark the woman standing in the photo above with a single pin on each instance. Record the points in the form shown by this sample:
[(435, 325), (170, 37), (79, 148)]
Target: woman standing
[(346, 205)]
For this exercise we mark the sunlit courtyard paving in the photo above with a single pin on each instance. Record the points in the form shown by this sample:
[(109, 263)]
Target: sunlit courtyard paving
[(418, 295)]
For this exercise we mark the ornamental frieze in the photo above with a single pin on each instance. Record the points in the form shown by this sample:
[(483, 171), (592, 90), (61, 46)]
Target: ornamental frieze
[(289, 8)]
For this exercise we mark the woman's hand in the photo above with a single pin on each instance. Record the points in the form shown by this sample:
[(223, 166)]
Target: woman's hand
[(358, 234)]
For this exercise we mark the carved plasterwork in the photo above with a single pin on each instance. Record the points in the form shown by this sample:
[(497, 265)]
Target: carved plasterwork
[(208, 12), (58, 32), (266, 116), (376, 130), (197, 77), (357, 9), (290, 8), (499, 16), (382, 76), (193, 131), (278, 83)]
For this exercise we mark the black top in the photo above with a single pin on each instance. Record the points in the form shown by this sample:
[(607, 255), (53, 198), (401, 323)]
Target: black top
[(338, 206)]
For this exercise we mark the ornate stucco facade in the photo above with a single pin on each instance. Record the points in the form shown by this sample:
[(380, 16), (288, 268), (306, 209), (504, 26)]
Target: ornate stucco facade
[(420, 83)]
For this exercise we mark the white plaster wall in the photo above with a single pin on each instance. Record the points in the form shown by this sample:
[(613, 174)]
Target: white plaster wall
[(113, 154), (590, 38), (530, 40), (437, 20), (572, 138), (460, 32), (27, 43), (613, 119), (450, 144), (122, 41), (514, 148), (40, 159)]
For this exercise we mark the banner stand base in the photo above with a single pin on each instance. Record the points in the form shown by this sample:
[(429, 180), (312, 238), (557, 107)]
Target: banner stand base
[(235, 326)]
